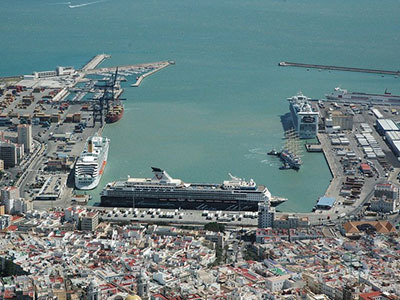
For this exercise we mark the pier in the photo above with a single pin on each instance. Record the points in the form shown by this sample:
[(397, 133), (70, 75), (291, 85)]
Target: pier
[(95, 61), (338, 68)]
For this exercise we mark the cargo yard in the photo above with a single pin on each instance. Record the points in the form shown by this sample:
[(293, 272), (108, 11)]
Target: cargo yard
[(60, 110), (359, 142)]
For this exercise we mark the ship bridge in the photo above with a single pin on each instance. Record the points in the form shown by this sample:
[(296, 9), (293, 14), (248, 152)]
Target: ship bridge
[(239, 183)]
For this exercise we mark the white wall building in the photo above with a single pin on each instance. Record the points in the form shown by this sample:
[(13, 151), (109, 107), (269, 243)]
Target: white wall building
[(275, 284), (25, 137), (383, 205), (5, 221), (386, 197), (17, 206), (265, 215), (9, 192)]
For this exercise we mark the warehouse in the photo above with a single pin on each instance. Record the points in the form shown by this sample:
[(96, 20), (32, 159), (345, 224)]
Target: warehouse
[(384, 125)]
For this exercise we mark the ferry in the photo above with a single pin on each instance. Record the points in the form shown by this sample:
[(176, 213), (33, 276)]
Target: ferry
[(91, 163), (304, 116), (163, 191)]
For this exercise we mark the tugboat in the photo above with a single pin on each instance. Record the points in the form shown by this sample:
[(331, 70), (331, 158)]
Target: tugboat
[(115, 113), (273, 152)]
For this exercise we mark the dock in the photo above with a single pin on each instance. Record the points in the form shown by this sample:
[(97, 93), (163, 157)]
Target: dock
[(95, 61), (338, 68), (334, 186), (313, 147)]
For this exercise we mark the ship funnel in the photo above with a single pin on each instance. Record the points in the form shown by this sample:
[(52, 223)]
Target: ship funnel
[(161, 175), (90, 146)]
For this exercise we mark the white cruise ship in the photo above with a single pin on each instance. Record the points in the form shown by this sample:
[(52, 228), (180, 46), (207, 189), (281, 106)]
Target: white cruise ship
[(91, 163), (304, 116), (163, 191)]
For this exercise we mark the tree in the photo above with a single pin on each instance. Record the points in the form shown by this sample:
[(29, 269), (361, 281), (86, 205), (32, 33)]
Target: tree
[(215, 227)]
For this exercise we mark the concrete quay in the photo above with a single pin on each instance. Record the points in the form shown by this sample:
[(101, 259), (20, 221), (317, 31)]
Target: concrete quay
[(95, 61), (158, 65), (141, 77), (338, 68)]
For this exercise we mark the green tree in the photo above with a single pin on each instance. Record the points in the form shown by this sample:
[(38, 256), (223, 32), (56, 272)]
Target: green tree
[(215, 227)]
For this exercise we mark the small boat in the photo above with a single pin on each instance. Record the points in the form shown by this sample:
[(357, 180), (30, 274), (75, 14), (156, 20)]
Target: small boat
[(273, 152)]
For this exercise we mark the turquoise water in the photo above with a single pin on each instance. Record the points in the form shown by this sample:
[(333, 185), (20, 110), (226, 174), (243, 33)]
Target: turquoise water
[(218, 109)]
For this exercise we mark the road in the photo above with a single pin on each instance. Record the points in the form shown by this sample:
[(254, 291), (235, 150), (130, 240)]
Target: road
[(31, 171)]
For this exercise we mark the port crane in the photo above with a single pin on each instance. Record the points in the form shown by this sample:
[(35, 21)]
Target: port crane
[(103, 103)]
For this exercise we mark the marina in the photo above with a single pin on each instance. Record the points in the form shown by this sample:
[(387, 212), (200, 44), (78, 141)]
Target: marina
[(338, 68)]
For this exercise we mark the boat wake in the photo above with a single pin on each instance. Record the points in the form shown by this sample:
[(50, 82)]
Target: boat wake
[(84, 4), (60, 3), (257, 151), (269, 163)]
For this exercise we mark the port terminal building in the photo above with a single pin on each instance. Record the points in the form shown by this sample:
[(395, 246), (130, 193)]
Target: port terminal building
[(325, 203)]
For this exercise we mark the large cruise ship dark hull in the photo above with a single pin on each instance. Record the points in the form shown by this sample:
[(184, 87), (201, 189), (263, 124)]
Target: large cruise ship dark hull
[(231, 205)]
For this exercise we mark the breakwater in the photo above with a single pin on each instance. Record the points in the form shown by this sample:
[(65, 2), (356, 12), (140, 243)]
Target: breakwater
[(338, 68)]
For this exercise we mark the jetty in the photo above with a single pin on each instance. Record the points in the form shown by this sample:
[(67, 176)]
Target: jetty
[(139, 67), (95, 61), (141, 77), (338, 68)]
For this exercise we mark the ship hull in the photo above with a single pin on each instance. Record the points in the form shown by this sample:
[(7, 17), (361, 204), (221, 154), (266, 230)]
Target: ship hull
[(114, 118), (233, 205)]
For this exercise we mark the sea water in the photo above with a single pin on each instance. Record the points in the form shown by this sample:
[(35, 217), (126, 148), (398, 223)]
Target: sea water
[(219, 109)]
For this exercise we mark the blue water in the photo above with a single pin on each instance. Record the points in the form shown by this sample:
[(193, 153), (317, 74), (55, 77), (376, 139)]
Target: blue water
[(218, 109)]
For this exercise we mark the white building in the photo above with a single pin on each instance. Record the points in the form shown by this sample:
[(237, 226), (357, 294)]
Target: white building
[(89, 221), (17, 206), (290, 221), (5, 221), (25, 137), (265, 215), (275, 284), (93, 292), (160, 278), (9, 192), (383, 205), (385, 199), (64, 71)]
